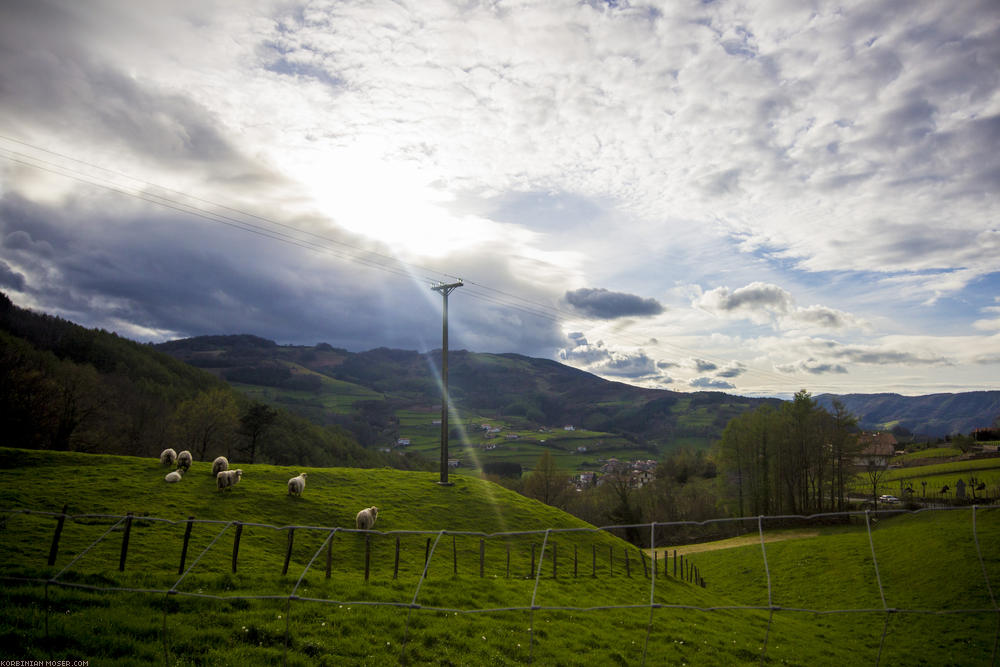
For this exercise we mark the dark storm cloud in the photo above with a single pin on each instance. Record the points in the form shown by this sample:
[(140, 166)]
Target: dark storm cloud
[(10, 278), (169, 275), (607, 305)]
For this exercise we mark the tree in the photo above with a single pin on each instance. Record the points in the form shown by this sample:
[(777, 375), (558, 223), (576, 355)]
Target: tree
[(547, 483), (254, 424), (875, 472), (207, 423), (845, 445), (794, 459)]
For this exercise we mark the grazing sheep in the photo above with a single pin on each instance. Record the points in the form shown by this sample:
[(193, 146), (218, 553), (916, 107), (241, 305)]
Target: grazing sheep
[(168, 456), (296, 485), (219, 464), (227, 478), (174, 476), (366, 518), (184, 460)]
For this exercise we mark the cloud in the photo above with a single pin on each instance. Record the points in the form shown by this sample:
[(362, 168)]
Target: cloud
[(988, 323), (607, 305), (812, 367), (845, 153), (733, 370), (703, 366), (767, 303), (756, 296), (633, 364), (710, 383), (10, 278)]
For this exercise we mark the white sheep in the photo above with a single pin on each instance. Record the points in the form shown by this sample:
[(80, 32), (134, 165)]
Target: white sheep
[(366, 518), (219, 464), (184, 459), (227, 478), (296, 485), (168, 456), (174, 476)]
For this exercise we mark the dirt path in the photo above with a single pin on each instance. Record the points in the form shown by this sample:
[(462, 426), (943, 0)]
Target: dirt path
[(741, 541)]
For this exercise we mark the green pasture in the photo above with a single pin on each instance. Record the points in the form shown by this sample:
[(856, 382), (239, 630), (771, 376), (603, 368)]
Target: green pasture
[(335, 396), (925, 567), (931, 453), (454, 613), (936, 477)]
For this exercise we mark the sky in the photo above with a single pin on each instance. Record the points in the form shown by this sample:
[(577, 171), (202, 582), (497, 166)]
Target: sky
[(751, 197)]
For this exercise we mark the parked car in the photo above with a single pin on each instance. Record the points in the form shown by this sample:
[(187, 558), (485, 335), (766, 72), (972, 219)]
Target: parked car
[(889, 500)]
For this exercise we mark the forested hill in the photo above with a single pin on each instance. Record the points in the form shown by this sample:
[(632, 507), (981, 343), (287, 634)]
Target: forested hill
[(66, 387), (933, 415), (512, 387)]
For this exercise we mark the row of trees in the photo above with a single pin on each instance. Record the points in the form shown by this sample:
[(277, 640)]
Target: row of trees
[(792, 460)]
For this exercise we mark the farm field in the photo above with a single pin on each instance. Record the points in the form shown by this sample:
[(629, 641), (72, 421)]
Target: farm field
[(475, 447), (534, 558), (927, 481)]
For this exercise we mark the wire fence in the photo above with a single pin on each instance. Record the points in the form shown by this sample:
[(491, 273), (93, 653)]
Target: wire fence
[(435, 543)]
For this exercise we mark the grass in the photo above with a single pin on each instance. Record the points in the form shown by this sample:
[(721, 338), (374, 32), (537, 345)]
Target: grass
[(932, 453), (936, 476), (927, 561)]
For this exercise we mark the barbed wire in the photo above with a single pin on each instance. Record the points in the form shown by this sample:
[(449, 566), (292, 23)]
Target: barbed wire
[(413, 604)]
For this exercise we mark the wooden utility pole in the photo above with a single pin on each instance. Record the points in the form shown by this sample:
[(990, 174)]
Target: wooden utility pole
[(445, 290)]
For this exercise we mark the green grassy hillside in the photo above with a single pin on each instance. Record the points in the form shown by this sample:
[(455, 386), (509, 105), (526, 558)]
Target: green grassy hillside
[(926, 567), (220, 617)]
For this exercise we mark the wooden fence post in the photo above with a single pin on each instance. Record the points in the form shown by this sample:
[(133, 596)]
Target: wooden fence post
[(54, 549), (645, 571), (427, 552), (482, 555), (288, 551), (675, 563), (236, 544), (395, 564), (184, 549), (128, 531), (368, 554), (682, 568), (655, 562)]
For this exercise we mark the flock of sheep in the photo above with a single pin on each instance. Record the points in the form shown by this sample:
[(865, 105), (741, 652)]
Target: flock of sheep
[(226, 479)]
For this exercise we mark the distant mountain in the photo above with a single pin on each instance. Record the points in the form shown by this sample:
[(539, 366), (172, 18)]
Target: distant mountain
[(509, 386), (933, 415)]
